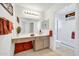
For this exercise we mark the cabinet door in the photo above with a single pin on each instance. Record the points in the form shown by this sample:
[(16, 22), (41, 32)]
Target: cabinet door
[(38, 43), (46, 42)]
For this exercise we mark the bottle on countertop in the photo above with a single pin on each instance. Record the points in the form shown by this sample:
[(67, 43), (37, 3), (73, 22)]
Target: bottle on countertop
[(40, 31)]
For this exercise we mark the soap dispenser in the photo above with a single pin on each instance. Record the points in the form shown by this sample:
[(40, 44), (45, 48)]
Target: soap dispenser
[(40, 31)]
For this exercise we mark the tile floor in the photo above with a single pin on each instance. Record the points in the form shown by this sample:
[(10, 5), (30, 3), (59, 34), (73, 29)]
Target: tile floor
[(64, 51), (44, 52), (61, 50)]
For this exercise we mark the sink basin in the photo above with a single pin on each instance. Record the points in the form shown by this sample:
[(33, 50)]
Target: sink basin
[(31, 34)]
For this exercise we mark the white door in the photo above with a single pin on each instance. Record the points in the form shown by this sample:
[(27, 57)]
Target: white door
[(64, 32)]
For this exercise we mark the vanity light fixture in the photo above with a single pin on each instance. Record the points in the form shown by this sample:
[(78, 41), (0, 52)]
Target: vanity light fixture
[(30, 12)]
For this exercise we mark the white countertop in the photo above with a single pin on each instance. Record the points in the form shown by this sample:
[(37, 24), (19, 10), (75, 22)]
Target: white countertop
[(28, 36)]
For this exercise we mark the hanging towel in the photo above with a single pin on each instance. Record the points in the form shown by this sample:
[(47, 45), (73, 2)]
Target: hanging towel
[(10, 26), (1, 27), (5, 28)]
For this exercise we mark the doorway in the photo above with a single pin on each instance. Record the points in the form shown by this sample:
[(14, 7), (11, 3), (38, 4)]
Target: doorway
[(64, 28)]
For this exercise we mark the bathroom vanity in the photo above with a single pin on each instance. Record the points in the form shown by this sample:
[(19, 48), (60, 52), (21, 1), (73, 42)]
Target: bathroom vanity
[(41, 42), (36, 42)]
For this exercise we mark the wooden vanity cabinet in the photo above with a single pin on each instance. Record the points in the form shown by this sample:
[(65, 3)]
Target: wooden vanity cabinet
[(38, 43), (41, 43)]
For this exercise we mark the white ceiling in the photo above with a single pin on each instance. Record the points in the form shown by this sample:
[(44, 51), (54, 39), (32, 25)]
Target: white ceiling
[(36, 6), (66, 10)]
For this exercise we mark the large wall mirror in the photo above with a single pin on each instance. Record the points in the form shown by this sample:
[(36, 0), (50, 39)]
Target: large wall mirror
[(27, 26), (31, 27), (45, 24)]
